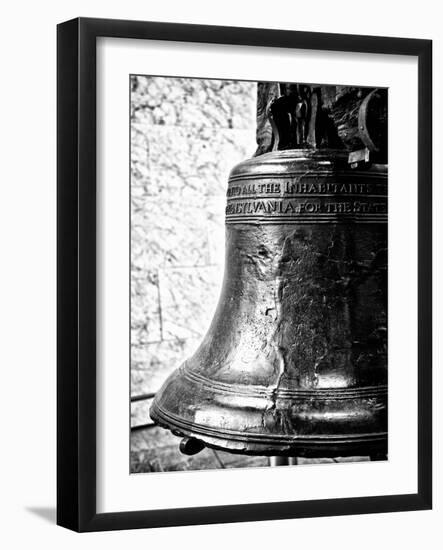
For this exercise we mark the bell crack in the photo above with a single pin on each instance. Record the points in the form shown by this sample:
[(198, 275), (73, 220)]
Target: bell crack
[(317, 364), (280, 352)]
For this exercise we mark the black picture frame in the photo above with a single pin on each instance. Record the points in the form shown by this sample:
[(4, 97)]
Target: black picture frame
[(76, 265)]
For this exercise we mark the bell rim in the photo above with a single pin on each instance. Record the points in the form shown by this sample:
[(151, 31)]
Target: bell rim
[(262, 444)]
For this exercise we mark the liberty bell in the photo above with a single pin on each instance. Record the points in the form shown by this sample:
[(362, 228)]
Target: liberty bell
[(295, 360)]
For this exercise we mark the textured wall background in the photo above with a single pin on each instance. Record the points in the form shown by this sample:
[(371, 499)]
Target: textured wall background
[(186, 135)]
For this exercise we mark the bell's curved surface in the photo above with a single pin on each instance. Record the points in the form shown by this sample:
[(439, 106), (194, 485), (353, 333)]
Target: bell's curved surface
[(295, 360)]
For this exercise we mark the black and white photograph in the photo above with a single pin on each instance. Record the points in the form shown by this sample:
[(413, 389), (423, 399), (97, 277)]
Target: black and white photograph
[(258, 272), (220, 275)]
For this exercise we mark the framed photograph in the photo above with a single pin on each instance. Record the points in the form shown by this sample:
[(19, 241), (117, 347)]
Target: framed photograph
[(244, 274)]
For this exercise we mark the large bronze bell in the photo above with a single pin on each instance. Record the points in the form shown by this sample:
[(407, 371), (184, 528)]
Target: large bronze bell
[(295, 360)]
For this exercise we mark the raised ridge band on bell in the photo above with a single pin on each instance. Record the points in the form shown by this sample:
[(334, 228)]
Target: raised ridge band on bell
[(370, 173), (283, 393)]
